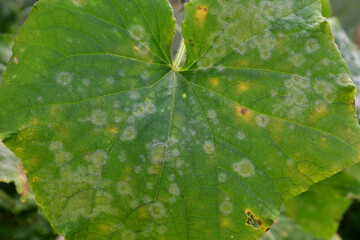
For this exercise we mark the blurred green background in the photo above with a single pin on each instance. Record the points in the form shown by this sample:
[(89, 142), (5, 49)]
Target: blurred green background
[(22, 219)]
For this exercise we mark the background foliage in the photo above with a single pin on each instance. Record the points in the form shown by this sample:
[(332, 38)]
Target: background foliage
[(309, 216)]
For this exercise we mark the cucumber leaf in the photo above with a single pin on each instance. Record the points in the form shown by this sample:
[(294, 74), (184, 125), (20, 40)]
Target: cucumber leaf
[(350, 53), (120, 143)]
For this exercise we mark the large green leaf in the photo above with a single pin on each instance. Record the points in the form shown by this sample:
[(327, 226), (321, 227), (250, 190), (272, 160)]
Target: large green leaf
[(321, 209), (350, 53), (120, 144)]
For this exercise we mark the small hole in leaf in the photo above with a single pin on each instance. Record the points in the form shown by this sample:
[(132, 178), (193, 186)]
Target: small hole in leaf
[(252, 220)]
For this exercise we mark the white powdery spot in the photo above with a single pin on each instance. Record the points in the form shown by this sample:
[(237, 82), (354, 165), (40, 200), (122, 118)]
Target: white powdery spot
[(226, 207), (145, 75), (122, 157), (116, 104), (244, 168), (311, 45), (344, 80), (118, 119), (157, 153), (157, 210), (326, 90), (122, 73), (262, 120), (240, 135), (290, 162), (209, 147), (123, 188), (128, 134), (297, 59), (174, 189), (161, 230), (222, 177), (134, 204), (149, 185), (325, 62), (297, 82), (137, 169), (296, 97), (137, 32), (56, 146), (211, 114), (175, 153), (134, 95), (128, 235), (99, 118), (64, 78), (86, 82), (295, 112), (62, 157), (110, 80), (273, 93), (150, 107)]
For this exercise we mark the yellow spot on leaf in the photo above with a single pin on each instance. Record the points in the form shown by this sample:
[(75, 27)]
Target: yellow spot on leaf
[(226, 222), (105, 228), (143, 213), (243, 87), (114, 130), (36, 179), (136, 50), (214, 81), (244, 113), (200, 15)]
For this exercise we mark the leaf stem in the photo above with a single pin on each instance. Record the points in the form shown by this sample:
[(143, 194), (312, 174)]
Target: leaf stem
[(179, 56)]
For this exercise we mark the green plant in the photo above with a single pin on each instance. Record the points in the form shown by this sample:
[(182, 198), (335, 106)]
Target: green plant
[(121, 142)]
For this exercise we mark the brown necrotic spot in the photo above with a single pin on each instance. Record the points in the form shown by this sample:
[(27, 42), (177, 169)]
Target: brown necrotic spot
[(243, 111)]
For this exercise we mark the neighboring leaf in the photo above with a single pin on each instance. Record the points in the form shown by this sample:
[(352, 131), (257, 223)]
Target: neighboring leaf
[(288, 229), (321, 208), (326, 8), (13, 14), (350, 225), (5, 51), (120, 144), (351, 55), (348, 13), (354, 171), (11, 169), (19, 218)]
